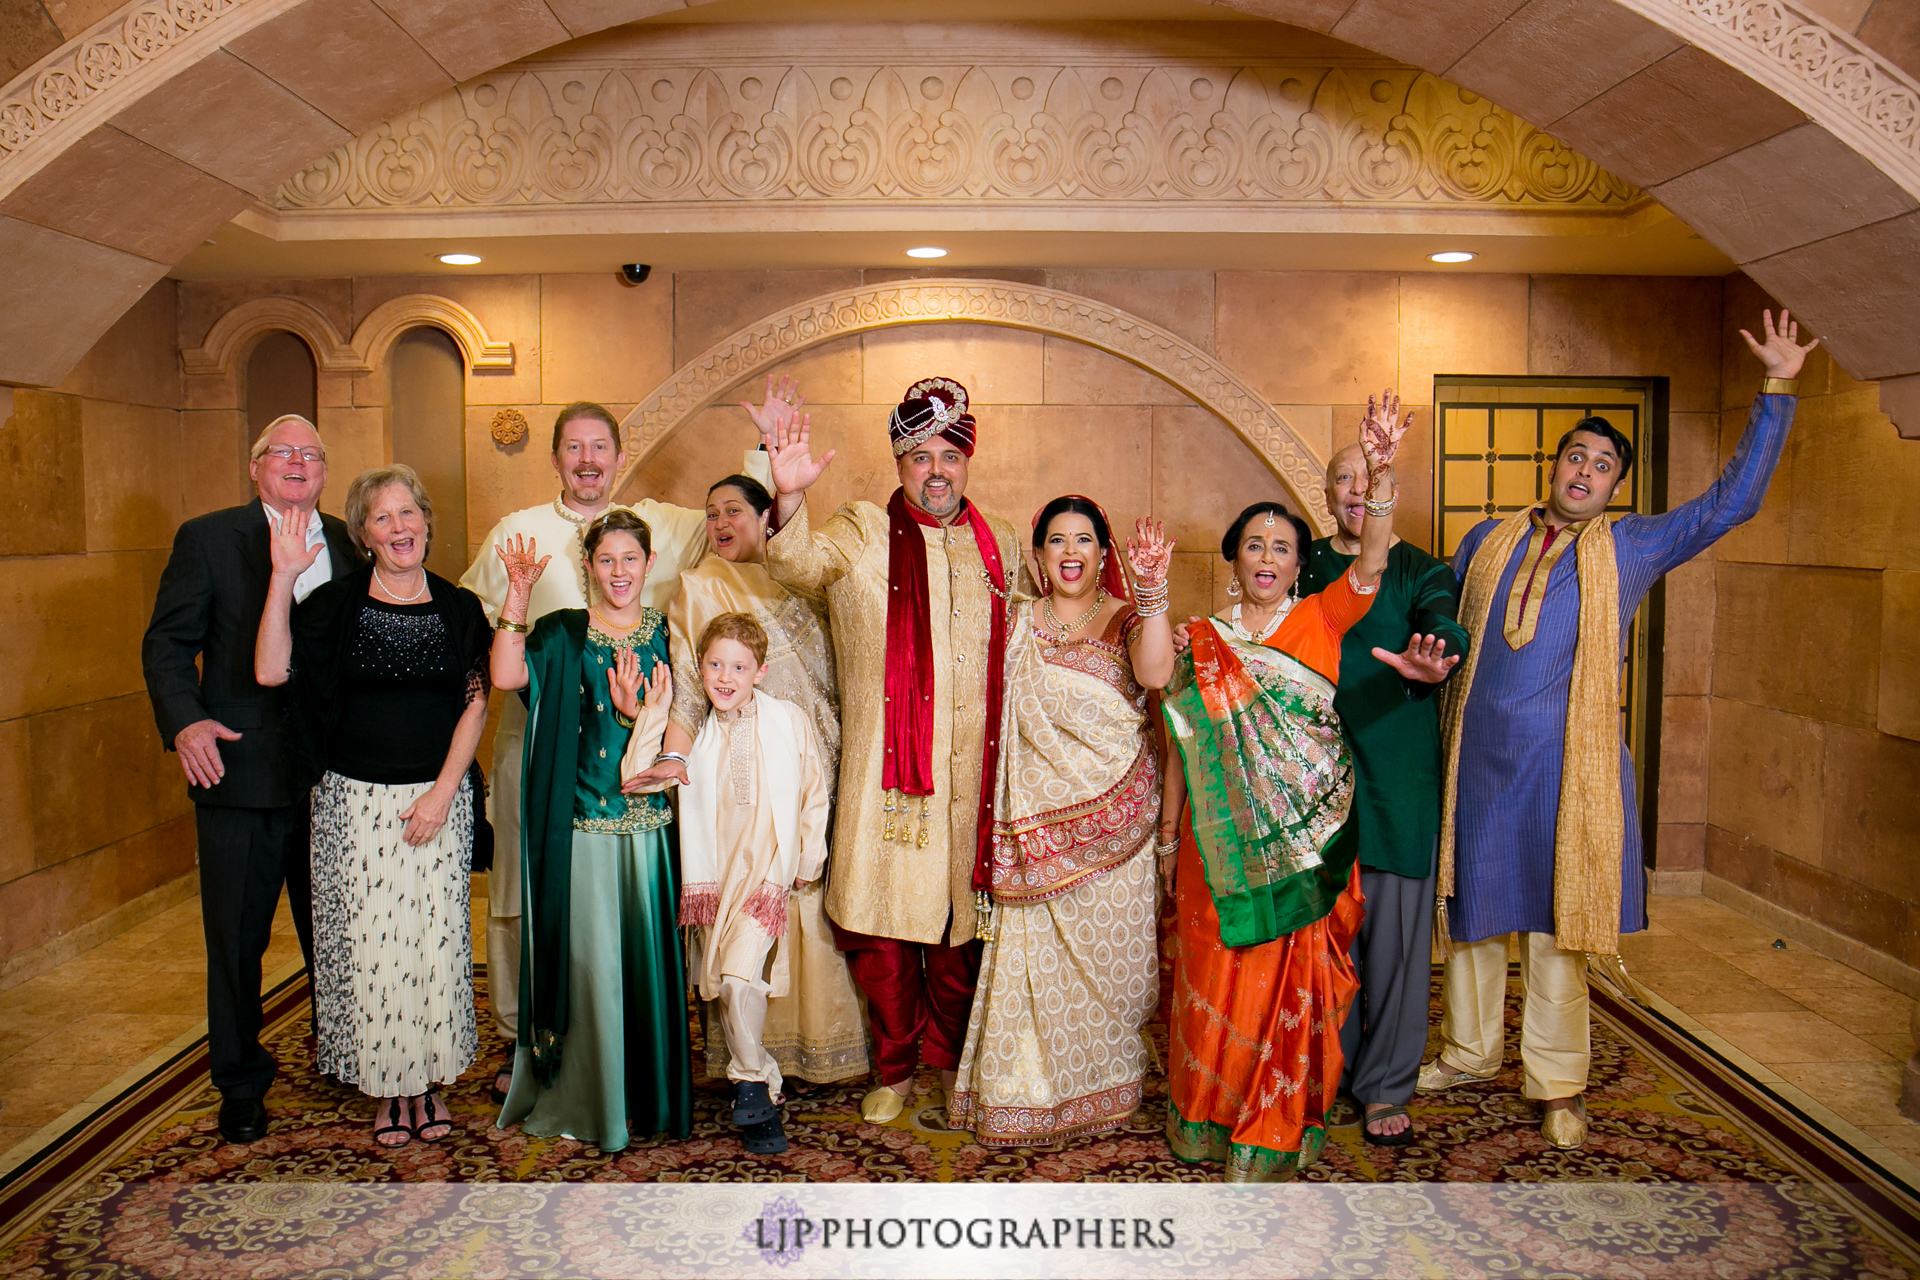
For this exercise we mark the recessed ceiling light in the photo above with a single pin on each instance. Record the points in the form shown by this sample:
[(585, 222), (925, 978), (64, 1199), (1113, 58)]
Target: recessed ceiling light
[(927, 251), (1451, 255), (460, 259)]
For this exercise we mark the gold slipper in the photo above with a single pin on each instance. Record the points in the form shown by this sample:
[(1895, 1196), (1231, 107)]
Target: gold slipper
[(1566, 1127), (882, 1105), (1432, 1079)]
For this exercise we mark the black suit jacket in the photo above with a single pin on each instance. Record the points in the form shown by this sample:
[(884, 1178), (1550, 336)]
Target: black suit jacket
[(208, 607)]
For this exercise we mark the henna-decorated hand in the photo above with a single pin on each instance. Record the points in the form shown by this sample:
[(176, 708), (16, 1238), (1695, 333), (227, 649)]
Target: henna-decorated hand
[(1149, 552), (517, 553)]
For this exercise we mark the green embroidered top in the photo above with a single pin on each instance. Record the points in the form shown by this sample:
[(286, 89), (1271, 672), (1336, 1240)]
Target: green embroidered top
[(598, 804)]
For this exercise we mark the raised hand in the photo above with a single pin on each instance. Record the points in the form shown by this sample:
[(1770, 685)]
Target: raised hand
[(288, 544), (1781, 352), (1149, 551), (623, 681), (523, 570), (1381, 432), (791, 456), (1425, 659), (783, 400), (659, 686)]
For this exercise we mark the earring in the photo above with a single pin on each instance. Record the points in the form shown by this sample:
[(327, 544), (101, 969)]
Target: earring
[(1233, 586)]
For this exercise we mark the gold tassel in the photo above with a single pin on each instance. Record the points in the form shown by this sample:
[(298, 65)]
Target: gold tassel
[(1442, 935), (887, 832), (1611, 972), (925, 830), (983, 919)]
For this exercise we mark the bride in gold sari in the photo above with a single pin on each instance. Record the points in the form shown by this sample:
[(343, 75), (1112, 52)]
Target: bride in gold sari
[(1068, 976)]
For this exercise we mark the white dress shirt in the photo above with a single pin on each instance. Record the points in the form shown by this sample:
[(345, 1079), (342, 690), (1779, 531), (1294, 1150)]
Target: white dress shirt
[(321, 570)]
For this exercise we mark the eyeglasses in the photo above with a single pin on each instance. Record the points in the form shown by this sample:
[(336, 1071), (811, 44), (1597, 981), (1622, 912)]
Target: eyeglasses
[(287, 453)]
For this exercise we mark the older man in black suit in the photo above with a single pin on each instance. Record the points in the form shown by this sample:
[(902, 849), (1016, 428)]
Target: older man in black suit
[(249, 792)]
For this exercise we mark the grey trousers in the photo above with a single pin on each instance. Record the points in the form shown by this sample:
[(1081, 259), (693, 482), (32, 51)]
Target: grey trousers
[(1385, 1033)]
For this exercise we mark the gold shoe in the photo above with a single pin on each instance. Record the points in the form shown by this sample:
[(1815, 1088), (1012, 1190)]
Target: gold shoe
[(1566, 1127), (1433, 1079), (882, 1105)]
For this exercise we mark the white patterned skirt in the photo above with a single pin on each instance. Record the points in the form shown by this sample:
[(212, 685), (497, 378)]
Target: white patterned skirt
[(392, 939)]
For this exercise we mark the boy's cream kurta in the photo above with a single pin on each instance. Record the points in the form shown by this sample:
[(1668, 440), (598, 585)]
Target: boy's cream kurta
[(894, 888)]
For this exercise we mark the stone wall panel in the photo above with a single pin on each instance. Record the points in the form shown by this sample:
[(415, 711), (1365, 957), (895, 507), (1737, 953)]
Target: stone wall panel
[(43, 507), (602, 339), (133, 475), (1804, 640), (1309, 337), (99, 775), (1766, 777)]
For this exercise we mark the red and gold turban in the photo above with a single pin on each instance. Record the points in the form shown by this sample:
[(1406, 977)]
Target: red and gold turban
[(932, 407)]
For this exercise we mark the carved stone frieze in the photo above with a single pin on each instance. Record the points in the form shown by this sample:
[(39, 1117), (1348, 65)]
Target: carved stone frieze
[(757, 347), (779, 132)]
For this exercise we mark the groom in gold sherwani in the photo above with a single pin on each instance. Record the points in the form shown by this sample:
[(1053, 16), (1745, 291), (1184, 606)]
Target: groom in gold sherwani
[(916, 591)]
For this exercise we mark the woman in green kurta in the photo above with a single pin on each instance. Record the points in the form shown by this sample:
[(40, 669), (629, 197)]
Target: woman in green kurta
[(603, 1052), (1391, 661)]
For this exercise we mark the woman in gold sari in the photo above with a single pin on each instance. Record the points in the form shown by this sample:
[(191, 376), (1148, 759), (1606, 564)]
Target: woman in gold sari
[(1068, 974), (1267, 902), (816, 1032)]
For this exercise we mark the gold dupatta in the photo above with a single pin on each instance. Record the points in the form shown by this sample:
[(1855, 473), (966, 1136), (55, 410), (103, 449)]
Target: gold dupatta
[(1590, 827)]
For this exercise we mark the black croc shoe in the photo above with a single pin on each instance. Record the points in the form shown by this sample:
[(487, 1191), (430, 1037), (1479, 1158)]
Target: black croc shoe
[(752, 1104), (767, 1138)]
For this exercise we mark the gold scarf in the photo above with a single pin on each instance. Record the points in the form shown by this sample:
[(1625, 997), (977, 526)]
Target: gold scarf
[(1590, 828)]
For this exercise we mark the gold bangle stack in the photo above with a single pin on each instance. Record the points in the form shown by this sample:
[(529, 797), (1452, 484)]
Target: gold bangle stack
[(507, 624)]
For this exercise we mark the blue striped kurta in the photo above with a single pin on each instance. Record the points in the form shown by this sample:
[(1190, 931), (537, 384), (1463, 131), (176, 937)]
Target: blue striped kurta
[(1513, 737)]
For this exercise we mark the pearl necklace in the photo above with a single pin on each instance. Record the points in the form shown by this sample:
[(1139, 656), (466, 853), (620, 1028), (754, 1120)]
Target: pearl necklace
[(1273, 625), (395, 596), (1060, 628)]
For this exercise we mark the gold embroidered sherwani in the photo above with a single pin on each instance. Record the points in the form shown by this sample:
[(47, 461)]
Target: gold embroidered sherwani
[(899, 888), (679, 537)]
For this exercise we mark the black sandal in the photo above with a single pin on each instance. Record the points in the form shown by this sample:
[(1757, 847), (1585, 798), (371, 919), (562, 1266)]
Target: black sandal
[(382, 1131), (1404, 1138), (420, 1130), (753, 1104)]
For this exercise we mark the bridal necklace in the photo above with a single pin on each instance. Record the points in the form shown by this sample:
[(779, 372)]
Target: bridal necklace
[(1060, 628), (395, 596)]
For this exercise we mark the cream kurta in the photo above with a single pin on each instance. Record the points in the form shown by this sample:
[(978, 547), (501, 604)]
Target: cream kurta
[(894, 888), (679, 538)]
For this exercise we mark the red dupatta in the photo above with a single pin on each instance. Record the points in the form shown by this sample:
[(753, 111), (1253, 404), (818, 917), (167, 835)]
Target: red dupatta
[(908, 763)]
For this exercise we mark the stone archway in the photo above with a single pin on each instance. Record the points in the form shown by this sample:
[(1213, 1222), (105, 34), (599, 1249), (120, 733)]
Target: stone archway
[(759, 346), (204, 105), (234, 333)]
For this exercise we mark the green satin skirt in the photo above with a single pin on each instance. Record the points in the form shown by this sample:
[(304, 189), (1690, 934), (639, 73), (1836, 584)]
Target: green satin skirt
[(626, 1067)]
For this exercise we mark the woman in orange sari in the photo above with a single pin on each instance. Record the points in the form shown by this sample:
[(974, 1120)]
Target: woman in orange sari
[(1267, 904)]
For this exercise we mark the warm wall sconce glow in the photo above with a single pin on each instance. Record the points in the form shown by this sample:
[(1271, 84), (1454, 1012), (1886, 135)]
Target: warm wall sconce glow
[(927, 252), (1452, 255), (460, 259)]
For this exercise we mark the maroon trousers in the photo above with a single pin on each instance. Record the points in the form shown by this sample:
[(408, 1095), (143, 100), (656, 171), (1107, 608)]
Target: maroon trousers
[(919, 996)]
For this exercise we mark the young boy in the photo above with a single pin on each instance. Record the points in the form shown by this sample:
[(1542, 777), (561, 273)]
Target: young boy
[(753, 828)]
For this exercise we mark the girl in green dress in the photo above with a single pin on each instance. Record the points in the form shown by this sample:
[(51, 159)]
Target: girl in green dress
[(603, 1053)]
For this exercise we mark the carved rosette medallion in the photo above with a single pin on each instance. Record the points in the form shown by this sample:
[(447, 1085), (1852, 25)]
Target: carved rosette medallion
[(509, 427)]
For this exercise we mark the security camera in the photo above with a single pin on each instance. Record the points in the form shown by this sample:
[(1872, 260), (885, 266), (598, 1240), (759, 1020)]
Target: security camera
[(635, 272)]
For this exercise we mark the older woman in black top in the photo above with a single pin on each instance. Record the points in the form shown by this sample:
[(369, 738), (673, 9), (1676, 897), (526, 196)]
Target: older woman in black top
[(390, 665)]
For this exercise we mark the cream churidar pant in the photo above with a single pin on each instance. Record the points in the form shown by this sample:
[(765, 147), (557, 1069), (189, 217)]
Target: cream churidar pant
[(1555, 1043)]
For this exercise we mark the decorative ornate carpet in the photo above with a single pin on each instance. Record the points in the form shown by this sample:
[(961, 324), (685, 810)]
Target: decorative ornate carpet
[(1665, 1110)]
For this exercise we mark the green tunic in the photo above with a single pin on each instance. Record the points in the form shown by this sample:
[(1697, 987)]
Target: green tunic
[(1393, 725)]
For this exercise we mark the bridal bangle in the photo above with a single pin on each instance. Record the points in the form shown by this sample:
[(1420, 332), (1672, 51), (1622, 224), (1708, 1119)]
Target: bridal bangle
[(506, 624)]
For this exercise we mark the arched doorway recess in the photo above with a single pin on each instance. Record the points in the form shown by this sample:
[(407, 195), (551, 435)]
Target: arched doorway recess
[(206, 104), (756, 348)]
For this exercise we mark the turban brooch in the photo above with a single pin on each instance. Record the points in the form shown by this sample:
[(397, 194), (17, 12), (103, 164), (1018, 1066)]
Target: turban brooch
[(932, 407)]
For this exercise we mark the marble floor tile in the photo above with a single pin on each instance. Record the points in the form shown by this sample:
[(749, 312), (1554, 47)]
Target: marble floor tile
[(1862, 1093), (1774, 1038), (1902, 1138), (1859, 1009), (1644, 953), (1720, 989), (1725, 934), (1797, 968), (123, 1039), (34, 1093)]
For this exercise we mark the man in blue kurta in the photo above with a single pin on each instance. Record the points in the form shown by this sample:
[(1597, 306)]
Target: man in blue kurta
[(1540, 834)]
